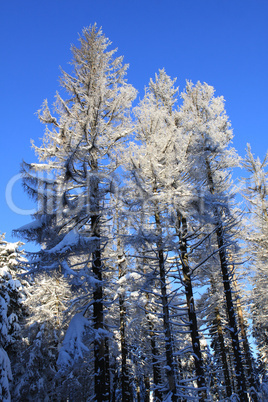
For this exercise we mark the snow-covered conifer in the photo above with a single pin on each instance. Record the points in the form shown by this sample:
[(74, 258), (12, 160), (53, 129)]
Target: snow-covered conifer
[(11, 312), (76, 176), (204, 119), (158, 167), (43, 330), (256, 194)]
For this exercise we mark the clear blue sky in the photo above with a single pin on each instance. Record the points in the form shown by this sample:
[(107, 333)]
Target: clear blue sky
[(221, 42)]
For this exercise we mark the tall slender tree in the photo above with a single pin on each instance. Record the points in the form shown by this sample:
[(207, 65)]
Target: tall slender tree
[(160, 167), (204, 117), (256, 194), (77, 165), (144, 166)]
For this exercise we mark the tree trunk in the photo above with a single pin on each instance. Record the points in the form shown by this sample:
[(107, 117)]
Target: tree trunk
[(126, 391), (231, 316), (99, 342), (248, 356), (125, 380), (181, 228), (101, 356), (114, 385), (164, 299), (227, 380), (155, 359), (155, 362), (241, 383), (223, 353), (107, 369), (147, 389)]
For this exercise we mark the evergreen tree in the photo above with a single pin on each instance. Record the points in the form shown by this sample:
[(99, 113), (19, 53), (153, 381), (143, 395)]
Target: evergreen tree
[(11, 312)]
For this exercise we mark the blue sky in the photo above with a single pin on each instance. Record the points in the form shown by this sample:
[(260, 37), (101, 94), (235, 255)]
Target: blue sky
[(221, 42)]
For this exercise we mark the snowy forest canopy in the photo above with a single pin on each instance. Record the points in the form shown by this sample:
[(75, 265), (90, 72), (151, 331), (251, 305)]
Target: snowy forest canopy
[(150, 281)]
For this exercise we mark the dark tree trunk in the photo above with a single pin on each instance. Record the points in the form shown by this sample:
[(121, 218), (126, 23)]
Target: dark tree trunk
[(231, 369), (125, 380), (154, 350), (147, 389), (165, 305), (107, 369), (126, 390), (223, 353), (138, 393), (250, 369), (240, 378), (101, 354), (180, 372), (181, 228), (155, 361), (220, 335), (115, 379)]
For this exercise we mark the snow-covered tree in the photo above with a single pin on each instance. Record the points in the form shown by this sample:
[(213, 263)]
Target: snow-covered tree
[(42, 330), (159, 166), (256, 194), (203, 117), (11, 312), (76, 176), (134, 218)]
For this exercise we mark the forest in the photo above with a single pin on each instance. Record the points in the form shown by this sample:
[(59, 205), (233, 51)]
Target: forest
[(149, 282)]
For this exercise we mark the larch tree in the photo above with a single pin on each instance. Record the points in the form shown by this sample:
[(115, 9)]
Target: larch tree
[(159, 165), (75, 177), (212, 304), (180, 196), (145, 162), (204, 118), (256, 195)]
